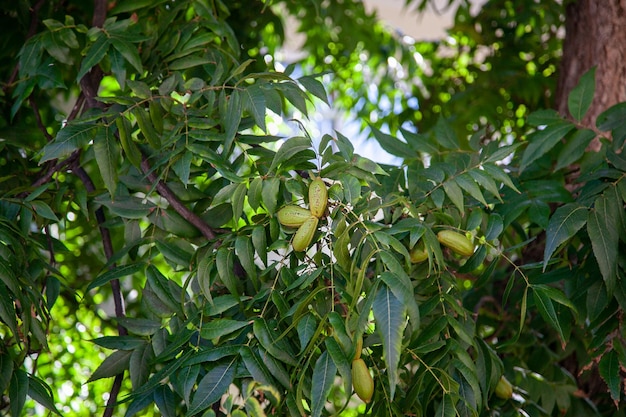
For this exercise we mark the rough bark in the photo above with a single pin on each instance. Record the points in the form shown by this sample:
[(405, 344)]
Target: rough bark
[(595, 36)]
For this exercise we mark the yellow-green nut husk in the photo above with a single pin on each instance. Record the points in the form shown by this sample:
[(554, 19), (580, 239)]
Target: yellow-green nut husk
[(457, 242), (293, 216), (358, 348), (362, 381), (318, 197), (504, 389), (303, 236), (418, 254)]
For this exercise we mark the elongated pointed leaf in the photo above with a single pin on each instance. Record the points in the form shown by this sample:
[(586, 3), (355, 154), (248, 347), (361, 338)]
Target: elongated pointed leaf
[(564, 223), (269, 339), (70, 138), (546, 309), (581, 96), (41, 392), (609, 368), (225, 264), (604, 236), (95, 53), (323, 377), (115, 273), (212, 386), (291, 147), (107, 155), (390, 316), (542, 141), (117, 362), (393, 145)]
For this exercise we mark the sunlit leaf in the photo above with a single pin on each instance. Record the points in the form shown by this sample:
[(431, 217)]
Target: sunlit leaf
[(580, 98)]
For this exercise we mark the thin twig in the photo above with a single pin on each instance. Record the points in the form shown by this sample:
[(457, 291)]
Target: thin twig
[(176, 204)]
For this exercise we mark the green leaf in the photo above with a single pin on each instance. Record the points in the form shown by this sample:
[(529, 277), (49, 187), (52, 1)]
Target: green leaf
[(245, 254), (231, 119), (566, 221), (221, 327), (542, 141), (269, 194), (315, 87), (18, 389), (6, 371), (212, 386), (95, 53), (129, 52), (70, 138), (116, 363), (604, 236), (455, 194), (445, 135), (467, 183), (393, 145), (341, 362), (107, 156), (256, 367), (289, 148), (609, 368), (389, 313), (225, 265), (43, 210), (269, 339), (140, 326), (115, 273), (254, 103), (581, 96), (323, 378), (41, 392), (140, 364), (119, 342), (575, 148), (546, 309)]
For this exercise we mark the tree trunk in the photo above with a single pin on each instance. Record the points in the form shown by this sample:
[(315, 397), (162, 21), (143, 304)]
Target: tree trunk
[(595, 36)]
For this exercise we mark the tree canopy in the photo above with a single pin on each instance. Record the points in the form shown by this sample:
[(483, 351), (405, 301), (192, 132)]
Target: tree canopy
[(175, 239)]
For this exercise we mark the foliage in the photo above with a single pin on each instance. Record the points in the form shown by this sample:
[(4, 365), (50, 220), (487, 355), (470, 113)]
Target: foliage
[(141, 180)]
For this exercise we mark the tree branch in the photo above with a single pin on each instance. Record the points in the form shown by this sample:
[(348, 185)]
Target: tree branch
[(176, 204)]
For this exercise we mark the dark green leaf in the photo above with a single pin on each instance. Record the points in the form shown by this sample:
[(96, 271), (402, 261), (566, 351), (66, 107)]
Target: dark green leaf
[(323, 379), (390, 317), (544, 304), (609, 368), (18, 389), (542, 141), (269, 339), (116, 363), (107, 156), (96, 52), (564, 223), (221, 327), (574, 149), (604, 236), (212, 386), (70, 138), (39, 391), (115, 273)]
